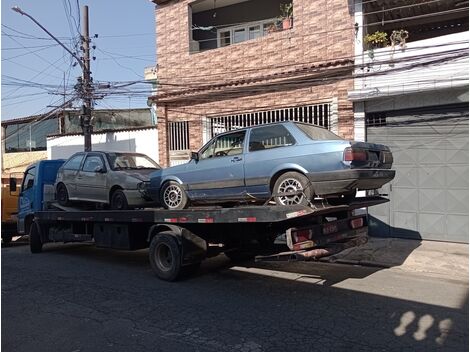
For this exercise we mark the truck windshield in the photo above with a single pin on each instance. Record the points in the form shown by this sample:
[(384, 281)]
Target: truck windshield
[(126, 161)]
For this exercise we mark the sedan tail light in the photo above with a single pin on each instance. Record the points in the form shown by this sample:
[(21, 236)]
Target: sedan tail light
[(351, 154)]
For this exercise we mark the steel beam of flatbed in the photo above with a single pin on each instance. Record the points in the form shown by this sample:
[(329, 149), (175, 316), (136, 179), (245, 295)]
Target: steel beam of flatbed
[(204, 215)]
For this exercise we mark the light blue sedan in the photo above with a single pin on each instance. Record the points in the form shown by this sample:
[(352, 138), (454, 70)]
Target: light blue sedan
[(288, 162)]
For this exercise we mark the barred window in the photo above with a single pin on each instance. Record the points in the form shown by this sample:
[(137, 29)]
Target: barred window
[(178, 135)]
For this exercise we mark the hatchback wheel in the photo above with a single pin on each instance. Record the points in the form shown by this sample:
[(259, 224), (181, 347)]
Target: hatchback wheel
[(62, 195), (119, 200), (173, 196), (296, 184)]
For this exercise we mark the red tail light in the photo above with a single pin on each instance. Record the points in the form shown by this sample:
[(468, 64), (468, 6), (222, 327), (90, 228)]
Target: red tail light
[(350, 154)]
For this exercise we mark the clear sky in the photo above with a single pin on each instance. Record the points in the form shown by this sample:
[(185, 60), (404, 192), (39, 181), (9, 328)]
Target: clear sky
[(33, 65)]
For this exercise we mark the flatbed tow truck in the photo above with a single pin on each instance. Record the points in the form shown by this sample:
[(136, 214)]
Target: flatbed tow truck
[(178, 240)]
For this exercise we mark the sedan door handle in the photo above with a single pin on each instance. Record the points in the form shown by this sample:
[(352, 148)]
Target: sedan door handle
[(235, 159)]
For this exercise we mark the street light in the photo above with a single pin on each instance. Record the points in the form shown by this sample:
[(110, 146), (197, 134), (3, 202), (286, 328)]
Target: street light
[(21, 12)]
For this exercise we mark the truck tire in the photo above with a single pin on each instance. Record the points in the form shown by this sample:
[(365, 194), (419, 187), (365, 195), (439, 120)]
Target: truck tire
[(165, 256), (35, 243), (6, 239)]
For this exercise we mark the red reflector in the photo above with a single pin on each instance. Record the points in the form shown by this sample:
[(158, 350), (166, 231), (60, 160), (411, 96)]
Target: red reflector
[(183, 219), (171, 220), (205, 221), (250, 219), (356, 223), (302, 236)]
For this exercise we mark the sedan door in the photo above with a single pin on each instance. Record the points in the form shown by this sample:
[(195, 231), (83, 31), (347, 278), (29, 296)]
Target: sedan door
[(69, 174), (269, 147), (92, 179), (219, 172)]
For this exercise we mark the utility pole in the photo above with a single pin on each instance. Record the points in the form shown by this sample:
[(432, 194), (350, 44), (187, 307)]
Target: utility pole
[(84, 85), (86, 80)]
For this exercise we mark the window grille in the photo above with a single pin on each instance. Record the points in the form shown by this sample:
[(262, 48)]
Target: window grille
[(178, 135), (312, 114)]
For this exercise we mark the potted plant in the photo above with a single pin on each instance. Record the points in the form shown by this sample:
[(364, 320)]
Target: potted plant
[(286, 15), (376, 40), (399, 37)]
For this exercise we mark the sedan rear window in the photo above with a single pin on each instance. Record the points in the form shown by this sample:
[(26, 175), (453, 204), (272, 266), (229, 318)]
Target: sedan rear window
[(268, 137), (317, 133)]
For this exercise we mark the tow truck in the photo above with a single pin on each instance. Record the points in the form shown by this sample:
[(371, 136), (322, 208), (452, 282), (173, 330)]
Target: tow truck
[(179, 240)]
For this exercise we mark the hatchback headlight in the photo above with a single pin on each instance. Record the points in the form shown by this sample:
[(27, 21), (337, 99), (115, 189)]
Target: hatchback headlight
[(143, 186)]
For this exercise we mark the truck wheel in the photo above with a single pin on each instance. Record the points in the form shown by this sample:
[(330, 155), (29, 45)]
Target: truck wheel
[(165, 256), (62, 195), (35, 243), (173, 196), (6, 239), (293, 182), (119, 200)]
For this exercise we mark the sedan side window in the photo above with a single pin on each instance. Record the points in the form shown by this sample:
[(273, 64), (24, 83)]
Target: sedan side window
[(73, 163), (228, 144), (92, 162), (268, 137)]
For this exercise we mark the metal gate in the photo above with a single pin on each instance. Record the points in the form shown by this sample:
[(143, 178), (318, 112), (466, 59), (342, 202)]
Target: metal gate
[(313, 114), (429, 195)]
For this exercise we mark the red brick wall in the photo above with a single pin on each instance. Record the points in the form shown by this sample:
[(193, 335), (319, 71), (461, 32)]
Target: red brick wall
[(323, 32)]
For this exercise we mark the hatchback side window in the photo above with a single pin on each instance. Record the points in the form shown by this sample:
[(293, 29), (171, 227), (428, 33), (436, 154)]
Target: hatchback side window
[(73, 163), (270, 137), (28, 180), (92, 162)]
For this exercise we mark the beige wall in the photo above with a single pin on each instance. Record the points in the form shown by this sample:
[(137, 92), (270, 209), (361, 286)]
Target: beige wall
[(18, 162), (323, 33)]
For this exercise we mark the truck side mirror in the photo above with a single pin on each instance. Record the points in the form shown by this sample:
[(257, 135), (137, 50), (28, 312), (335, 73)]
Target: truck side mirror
[(195, 156), (12, 184)]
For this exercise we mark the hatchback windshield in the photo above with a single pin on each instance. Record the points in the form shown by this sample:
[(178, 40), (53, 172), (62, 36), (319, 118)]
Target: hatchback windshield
[(126, 161), (317, 133)]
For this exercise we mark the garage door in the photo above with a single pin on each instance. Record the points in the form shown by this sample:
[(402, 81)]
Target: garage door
[(429, 195)]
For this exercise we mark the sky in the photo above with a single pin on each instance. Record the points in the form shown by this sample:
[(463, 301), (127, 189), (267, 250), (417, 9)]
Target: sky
[(34, 66)]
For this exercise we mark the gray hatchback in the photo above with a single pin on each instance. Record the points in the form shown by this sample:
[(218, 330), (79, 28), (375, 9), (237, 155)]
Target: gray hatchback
[(110, 178)]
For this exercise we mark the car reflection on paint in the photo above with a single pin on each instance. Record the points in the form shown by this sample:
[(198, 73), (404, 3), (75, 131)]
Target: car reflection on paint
[(288, 162), (114, 179)]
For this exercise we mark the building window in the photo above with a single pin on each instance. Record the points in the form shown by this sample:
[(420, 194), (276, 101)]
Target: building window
[(29, 136), (238, 34), (377, 119), (217, 24), (178, 135)]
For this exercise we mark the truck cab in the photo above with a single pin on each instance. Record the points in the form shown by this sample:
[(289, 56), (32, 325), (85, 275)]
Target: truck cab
[(37, 189)]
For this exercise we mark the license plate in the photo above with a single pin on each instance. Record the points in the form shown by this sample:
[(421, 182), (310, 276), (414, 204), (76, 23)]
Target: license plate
[(330, 228)]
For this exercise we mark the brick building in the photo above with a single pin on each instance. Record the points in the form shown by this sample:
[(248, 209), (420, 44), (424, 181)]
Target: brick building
[(225, 64)]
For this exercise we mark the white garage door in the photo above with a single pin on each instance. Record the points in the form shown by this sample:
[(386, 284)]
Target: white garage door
[(429, 195)]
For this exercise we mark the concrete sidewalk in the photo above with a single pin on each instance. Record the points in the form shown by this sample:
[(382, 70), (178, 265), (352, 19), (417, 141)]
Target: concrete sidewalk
[(438, 258)]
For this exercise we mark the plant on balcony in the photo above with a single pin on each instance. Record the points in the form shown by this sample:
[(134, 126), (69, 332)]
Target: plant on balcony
[(376, 40), (286, 15), (399, 37)]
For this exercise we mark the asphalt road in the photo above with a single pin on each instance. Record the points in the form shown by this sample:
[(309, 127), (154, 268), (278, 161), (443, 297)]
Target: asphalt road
[(79, 298)]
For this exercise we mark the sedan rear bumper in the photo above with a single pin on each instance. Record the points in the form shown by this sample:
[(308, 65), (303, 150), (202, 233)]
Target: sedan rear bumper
[(343, 181)]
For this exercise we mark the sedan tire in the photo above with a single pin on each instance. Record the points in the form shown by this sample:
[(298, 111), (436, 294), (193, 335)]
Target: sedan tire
[(173, 196), (296, 183), (119, 200)]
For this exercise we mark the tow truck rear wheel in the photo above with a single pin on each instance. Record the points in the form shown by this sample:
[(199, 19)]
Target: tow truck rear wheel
[(35, 243), (165, 256)]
